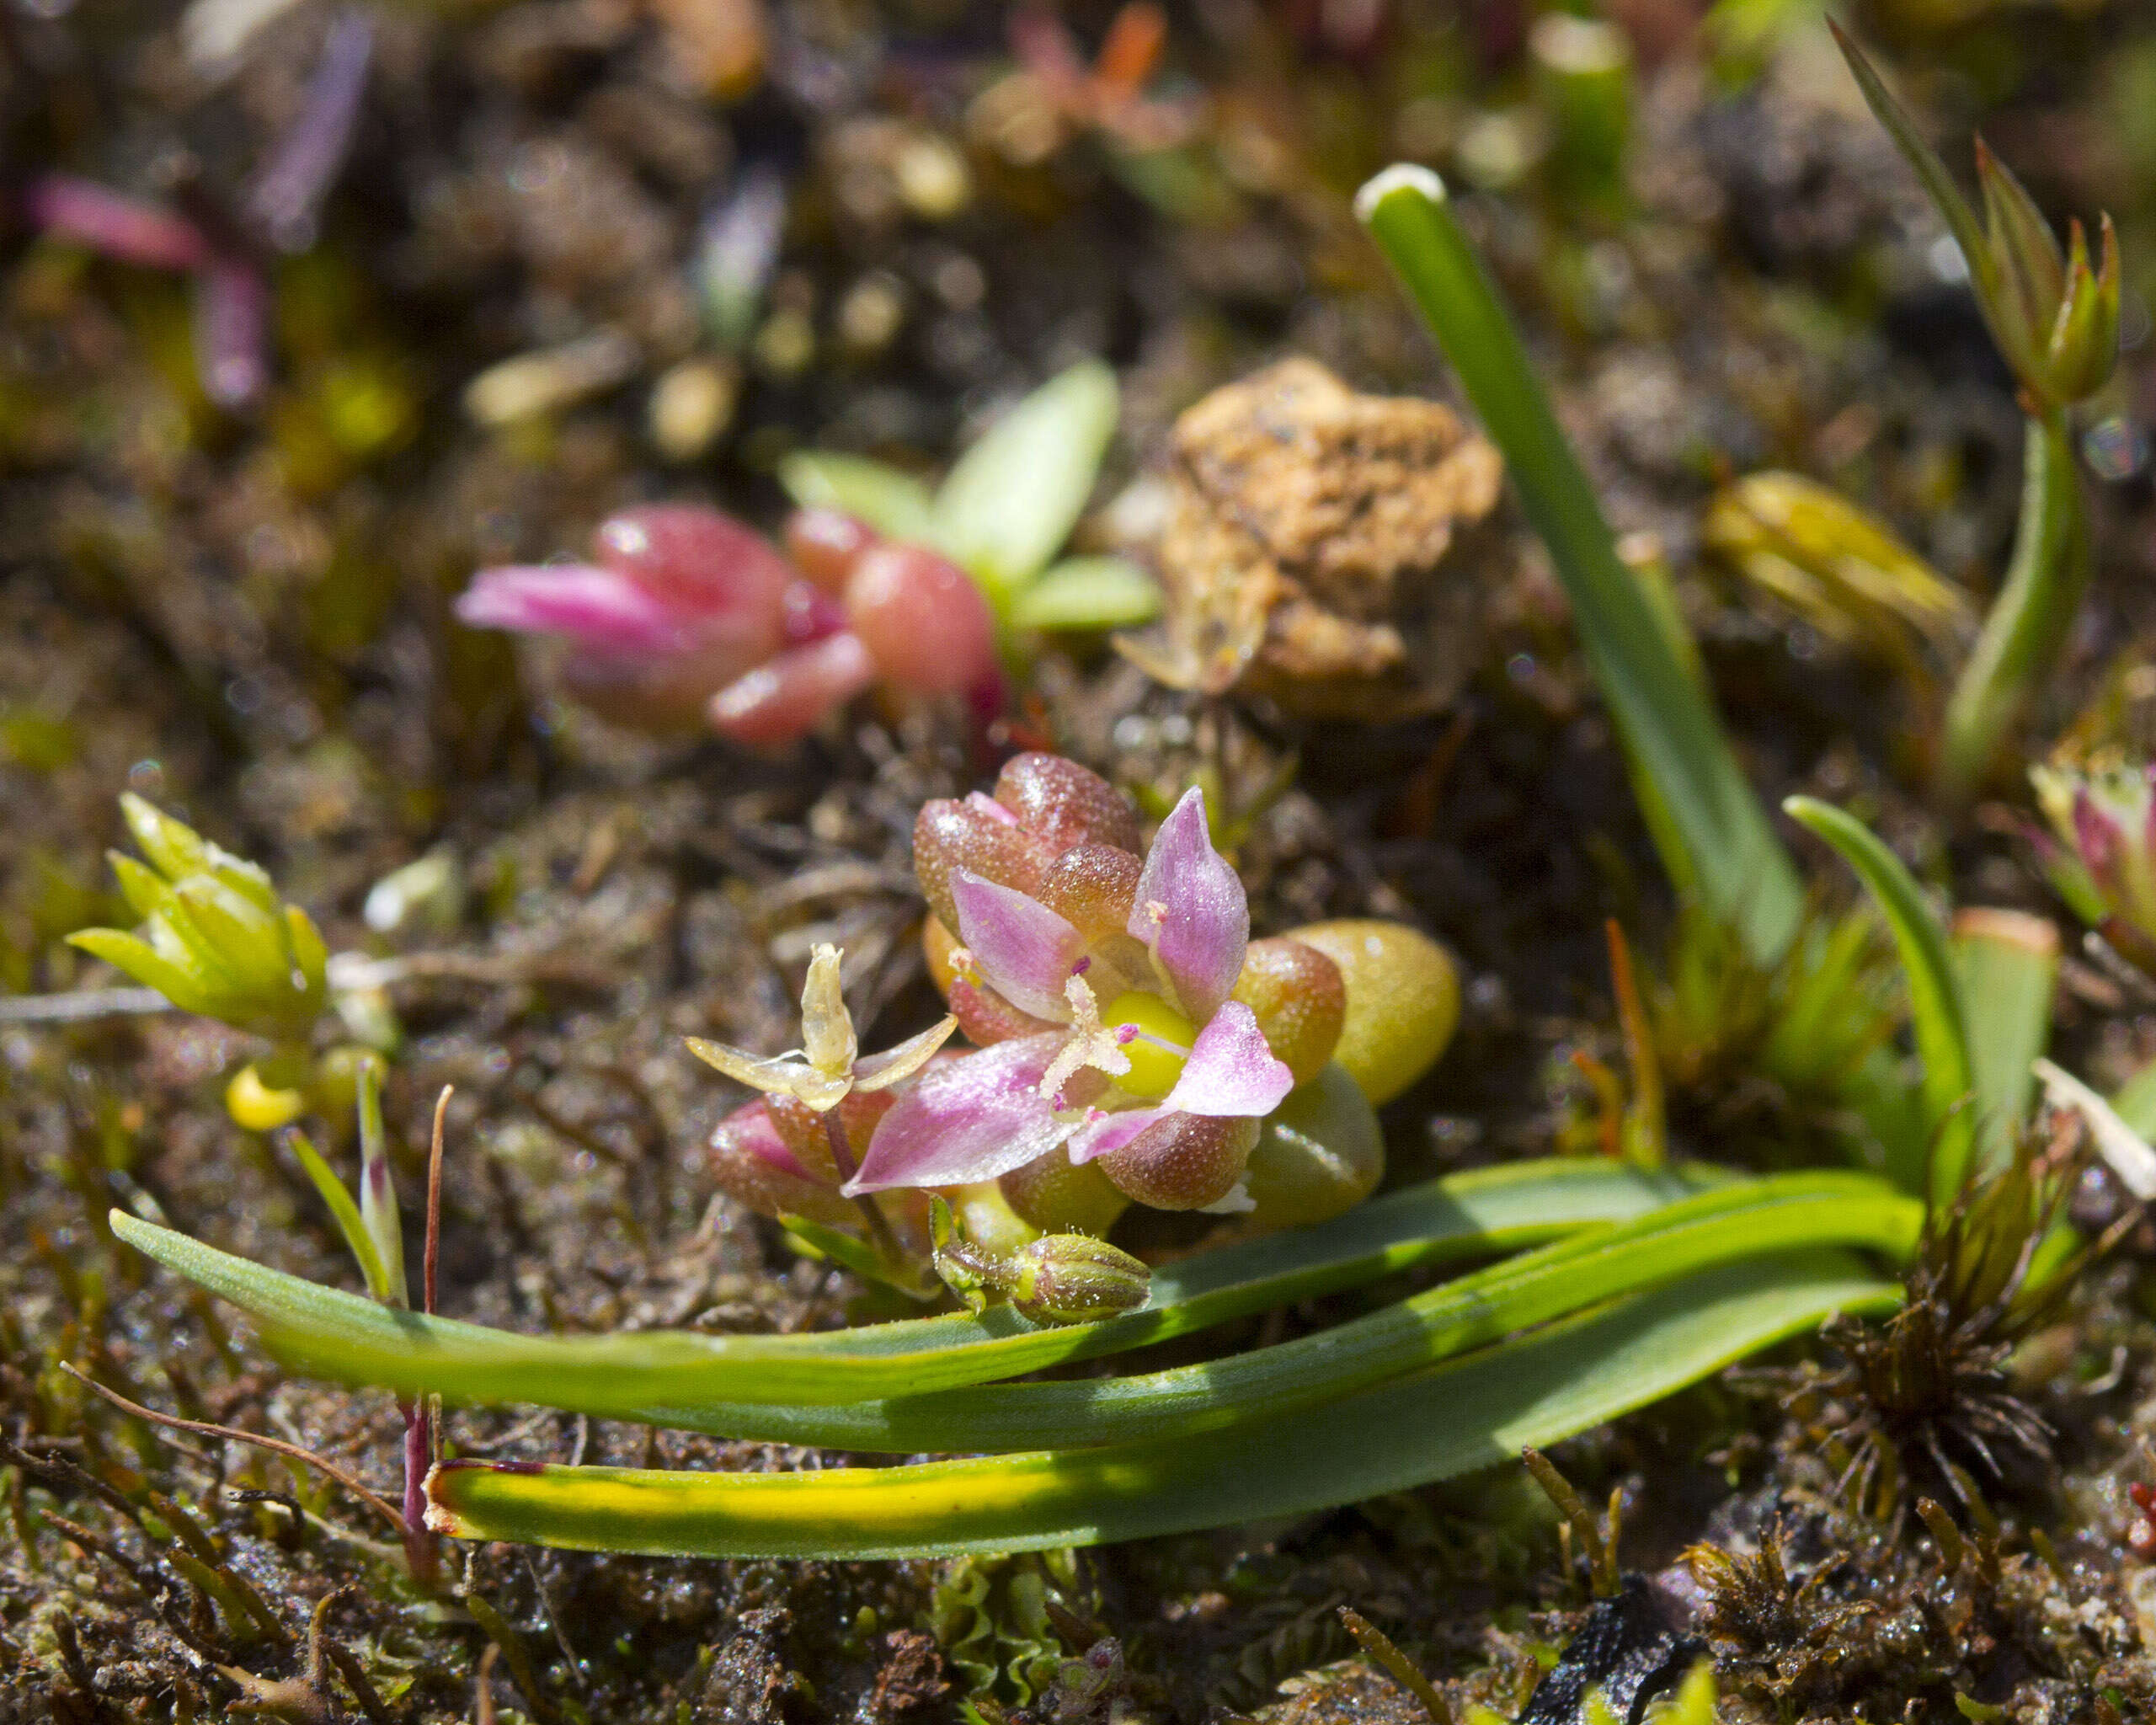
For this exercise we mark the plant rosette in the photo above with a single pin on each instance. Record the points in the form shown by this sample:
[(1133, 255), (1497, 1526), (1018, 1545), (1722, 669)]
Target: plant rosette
[(1132, 1043)]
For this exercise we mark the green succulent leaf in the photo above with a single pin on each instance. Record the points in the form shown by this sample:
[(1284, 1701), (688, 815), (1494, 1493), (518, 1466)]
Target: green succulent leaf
[(895, 503), (1453, 1419), (185, 987), (1012, 498), (310, 955), (237, 934), (1088, 593), (1934, 995), (174, 848), (146, 891)]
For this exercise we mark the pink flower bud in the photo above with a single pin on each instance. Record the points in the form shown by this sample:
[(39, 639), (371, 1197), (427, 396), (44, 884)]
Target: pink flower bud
[(1064, 805)]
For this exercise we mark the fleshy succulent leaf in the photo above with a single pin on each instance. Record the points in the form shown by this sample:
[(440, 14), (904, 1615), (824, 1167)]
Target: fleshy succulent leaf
[(1011, 501), (895, 504), (185, 987), (174, 848), (1088, 593)]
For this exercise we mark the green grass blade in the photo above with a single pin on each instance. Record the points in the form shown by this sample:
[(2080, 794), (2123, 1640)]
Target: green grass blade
[(349, 1223), (334, 1333), (1935, 996), (1730, 851), (1945, 195), (1451, 1419), (1752, 1220), (2007, 964)]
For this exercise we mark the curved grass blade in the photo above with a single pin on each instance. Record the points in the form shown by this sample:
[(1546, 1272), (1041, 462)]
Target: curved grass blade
[(1450, 1419), (1752, 1220), (1730, 853), (1935, 996), (337, 1334)]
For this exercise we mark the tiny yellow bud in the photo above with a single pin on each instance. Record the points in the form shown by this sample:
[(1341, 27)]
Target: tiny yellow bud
[(254, 1105)]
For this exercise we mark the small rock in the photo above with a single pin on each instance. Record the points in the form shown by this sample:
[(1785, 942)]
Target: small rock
[(1302, 559)]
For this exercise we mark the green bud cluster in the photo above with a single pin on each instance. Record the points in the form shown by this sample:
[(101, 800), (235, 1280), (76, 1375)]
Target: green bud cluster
[(1059, 1279), (214, 938), (2055, 318)]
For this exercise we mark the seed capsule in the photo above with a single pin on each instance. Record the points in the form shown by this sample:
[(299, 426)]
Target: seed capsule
[(1074, 1278)]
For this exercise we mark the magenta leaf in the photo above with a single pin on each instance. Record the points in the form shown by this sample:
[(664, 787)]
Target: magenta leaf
[(787, 696), (113, 225), (598, 609)]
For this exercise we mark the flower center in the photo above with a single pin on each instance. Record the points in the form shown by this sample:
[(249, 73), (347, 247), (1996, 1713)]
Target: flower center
[(1159, 1048)]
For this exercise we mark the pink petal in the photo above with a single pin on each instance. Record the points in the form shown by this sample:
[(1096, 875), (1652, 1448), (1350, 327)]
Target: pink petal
[(1192, 911), (788, 696), (1104, 1132), (596, 608), (1026, 951), (114, 226), (988, 806), (1230, 1071), (973, 1118)]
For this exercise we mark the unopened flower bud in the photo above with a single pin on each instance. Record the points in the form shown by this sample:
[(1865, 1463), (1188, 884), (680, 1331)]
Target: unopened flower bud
[(1074, 1278), (2104, 812), (1062, 803), (2055, 319), (215, 939)]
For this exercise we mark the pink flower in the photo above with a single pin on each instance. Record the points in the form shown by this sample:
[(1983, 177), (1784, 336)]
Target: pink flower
[(1165, 1086)]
